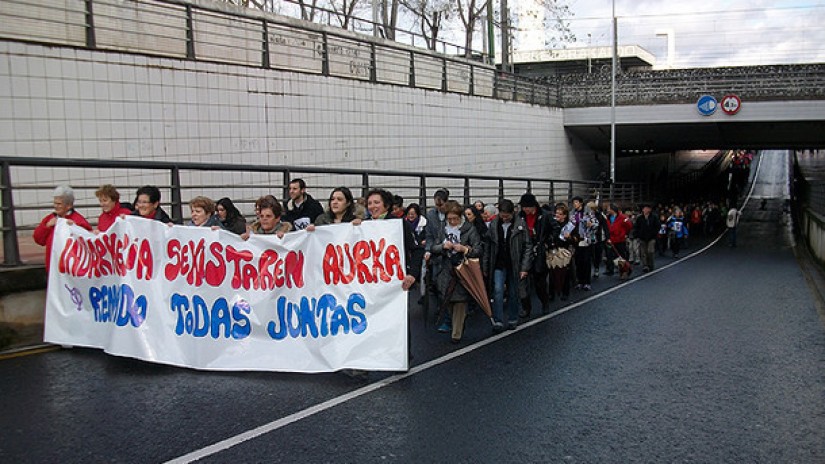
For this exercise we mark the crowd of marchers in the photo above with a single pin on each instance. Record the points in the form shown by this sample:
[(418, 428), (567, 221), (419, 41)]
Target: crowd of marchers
[(527, 251)]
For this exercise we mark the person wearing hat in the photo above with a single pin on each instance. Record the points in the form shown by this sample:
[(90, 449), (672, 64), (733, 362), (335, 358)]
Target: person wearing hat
[(534, 218), (647, 228)]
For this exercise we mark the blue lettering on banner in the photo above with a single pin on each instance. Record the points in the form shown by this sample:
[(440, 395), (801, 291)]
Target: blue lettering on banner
[(197, 319), (316, 317), (117, 304)]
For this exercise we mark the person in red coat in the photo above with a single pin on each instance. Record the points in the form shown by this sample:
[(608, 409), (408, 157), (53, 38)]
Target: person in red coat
[(109, 199), (63, 208), (619, 226)]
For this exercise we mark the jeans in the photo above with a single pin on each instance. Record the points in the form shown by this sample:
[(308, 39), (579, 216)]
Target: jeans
[(502, 277)]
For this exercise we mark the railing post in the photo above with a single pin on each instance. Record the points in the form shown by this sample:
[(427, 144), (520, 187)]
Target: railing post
[(365, 185), (412, 69), (11, 250), (177, 208), (325, 58), (287, 178), (265, 61), (529, 186), (466, 190), (444, 74), (373, 64), (422, 192), (569, 192), (190, 33), (91, 39), (472, 90), (500, 189)]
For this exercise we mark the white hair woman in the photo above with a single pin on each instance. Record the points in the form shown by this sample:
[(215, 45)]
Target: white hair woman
[(63, 208)]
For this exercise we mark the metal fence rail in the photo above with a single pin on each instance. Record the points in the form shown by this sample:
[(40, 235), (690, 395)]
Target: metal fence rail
[(223, 33), (182, 183)]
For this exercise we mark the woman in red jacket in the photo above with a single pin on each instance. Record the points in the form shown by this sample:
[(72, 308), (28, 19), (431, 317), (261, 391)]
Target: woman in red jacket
[(63, 208), (619, 226), (109, 199)]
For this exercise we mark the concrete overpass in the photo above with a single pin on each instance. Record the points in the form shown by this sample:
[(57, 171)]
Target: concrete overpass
[(782, 106), (672, 127)]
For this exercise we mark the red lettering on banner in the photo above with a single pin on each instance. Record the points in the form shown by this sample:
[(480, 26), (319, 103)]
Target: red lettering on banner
[(368, 262), (104, 255), (215, 269)]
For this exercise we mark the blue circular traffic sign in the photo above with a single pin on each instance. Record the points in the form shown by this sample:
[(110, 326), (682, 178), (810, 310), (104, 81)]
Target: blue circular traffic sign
[(707, 105)]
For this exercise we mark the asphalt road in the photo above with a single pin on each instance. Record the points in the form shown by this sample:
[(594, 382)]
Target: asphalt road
[(717, 357)]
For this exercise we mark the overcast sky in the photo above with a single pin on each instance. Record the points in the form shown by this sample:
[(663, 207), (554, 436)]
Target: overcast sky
[(709, 32)]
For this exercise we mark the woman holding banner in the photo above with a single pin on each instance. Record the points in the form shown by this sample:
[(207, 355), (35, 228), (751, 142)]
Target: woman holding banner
[(455, 241), (203, 213), (340, 209), (63, 208), (269, 221)]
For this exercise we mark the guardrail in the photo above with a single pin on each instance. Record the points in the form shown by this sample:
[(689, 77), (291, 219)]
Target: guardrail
[(179, 181), (222, 33)]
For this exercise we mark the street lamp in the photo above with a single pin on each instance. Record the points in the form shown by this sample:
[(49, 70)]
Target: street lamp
[(613, 104)]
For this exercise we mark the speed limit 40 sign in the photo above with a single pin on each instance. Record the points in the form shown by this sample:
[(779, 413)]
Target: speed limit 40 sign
[(731, 104)]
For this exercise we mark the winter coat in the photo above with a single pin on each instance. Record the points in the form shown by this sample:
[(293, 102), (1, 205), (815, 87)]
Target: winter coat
[(329, 218), (619, 227), (590, 232), (470, 238), (105, 220), (537, 239), (43, 234), (160, 215), (677, 226), (431, 228), (646, 227), (213, 221), (303, 215), (521, 251), (236, 226)]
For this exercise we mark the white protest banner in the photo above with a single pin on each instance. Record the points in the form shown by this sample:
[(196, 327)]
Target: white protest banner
[(195, 297)]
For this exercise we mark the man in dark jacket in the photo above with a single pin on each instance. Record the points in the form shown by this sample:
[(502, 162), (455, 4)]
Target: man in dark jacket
[(436, 219), (534, 218), (301, 209), (647, 228), (507, 263)]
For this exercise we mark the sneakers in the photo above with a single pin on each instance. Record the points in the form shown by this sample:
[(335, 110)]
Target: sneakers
[(578, 287), (498, 327), (586, 288), (596, 274), (512, 325), (524, 314), (445, 328), (646, 269)]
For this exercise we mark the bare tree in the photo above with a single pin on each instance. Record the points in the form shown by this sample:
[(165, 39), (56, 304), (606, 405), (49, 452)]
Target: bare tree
[(469, 11), (388, 10), (430, 15), (344, 11), (555, 15), (308, 9)]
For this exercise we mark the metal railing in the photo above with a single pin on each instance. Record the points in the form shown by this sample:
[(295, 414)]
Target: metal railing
[(182, 183), (223, 33)]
